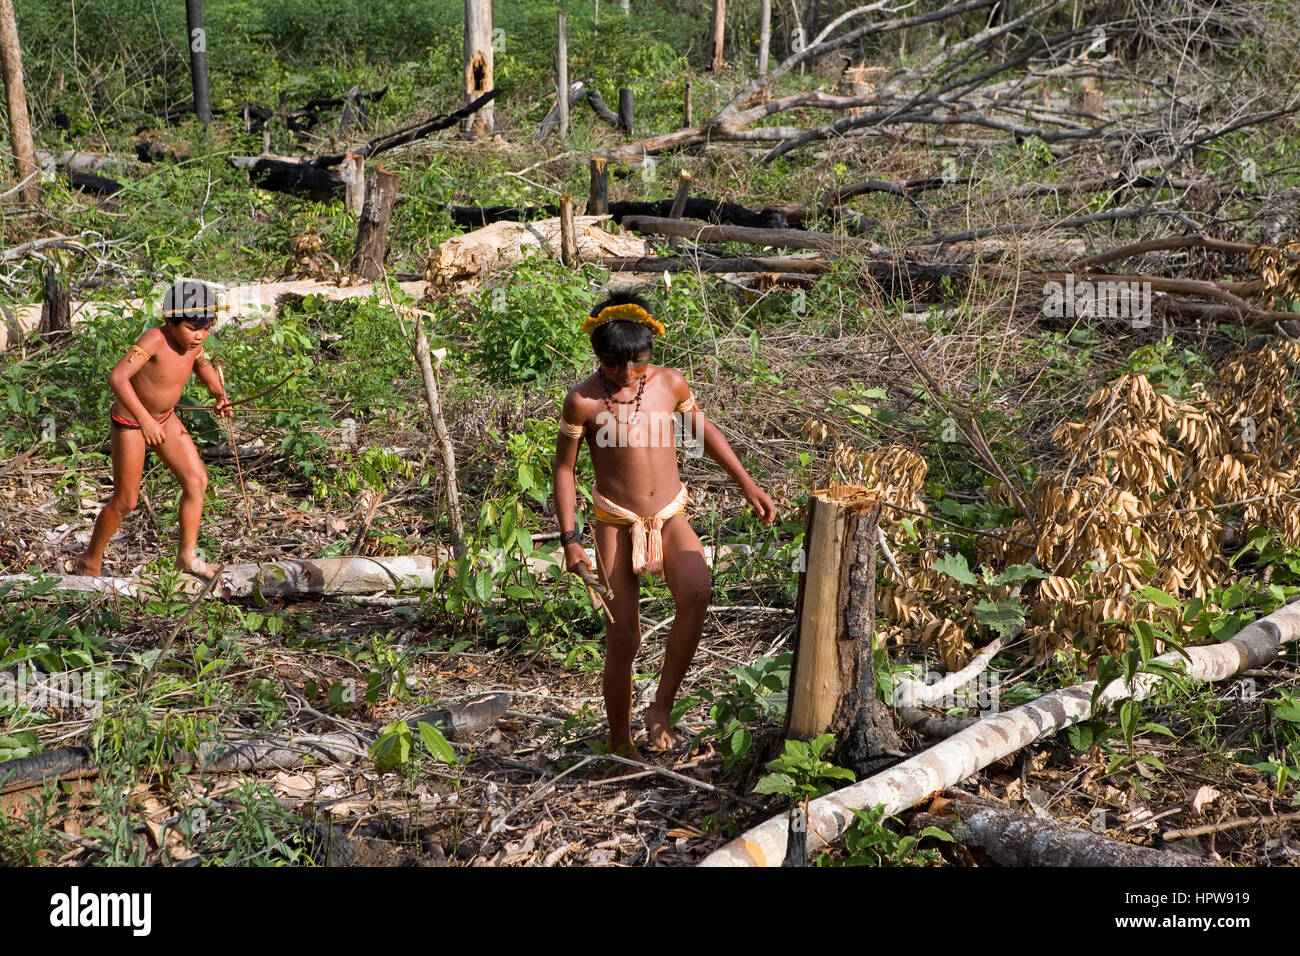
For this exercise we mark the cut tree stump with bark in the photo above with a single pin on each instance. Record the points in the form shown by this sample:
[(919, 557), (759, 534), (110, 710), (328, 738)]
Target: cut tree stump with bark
[(372, 230), (832, 679), (56, 312), (598, 195)]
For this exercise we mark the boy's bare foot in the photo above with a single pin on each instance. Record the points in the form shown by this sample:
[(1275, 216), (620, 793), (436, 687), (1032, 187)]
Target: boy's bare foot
[(81, 564), (191, 564), (629, 752), (657, 729)]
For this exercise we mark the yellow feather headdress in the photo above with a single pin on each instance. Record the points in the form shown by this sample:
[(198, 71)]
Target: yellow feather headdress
[(628, 312)]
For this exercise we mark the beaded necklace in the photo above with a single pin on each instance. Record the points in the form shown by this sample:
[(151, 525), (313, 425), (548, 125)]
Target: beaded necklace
[(604, 387)]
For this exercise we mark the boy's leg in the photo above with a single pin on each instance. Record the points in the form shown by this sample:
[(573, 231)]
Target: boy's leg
[(623, 634), (182, 458), (687, 574), (127, 447)]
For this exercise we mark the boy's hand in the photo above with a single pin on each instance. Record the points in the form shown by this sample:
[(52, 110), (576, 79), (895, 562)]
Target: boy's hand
[(224, 407), (761, 503), (574, 557), (152, 431)]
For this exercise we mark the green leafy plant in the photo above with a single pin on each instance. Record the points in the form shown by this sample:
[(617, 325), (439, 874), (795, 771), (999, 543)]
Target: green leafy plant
[(800, 773), (756, 695), (868, 842)]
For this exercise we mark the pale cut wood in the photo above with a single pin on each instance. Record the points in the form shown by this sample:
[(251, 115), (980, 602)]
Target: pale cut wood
[(965, 753), (353, 174), (814, 681)]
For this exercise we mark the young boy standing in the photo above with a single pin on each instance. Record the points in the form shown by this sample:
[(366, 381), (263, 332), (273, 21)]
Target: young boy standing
[(147, 383), (625, 411)]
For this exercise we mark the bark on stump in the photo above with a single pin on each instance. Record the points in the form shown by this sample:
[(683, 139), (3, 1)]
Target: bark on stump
[(832, 680), (56, 309), (598, 196), (372, 231)]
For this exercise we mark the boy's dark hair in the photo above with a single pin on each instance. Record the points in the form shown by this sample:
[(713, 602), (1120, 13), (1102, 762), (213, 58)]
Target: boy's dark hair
[(621, 341), (192, 301)]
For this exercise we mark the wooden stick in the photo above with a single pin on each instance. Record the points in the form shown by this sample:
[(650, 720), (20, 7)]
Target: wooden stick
[(234, 450)]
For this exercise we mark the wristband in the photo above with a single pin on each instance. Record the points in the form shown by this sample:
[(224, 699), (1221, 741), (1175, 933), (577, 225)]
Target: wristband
[(569, 537)]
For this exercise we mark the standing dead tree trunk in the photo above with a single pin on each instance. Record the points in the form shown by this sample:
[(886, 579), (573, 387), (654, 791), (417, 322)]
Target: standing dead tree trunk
[(56, 312), (562, 73), (717, 32), (764, 35), (478, 65), (198, 39), (372, 230), (832, 682), (20, 129), (445, 449)]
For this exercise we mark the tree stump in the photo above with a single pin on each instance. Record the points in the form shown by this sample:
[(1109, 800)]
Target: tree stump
[(626, 111), (568, 235), (598, 196), (372, 231), (833, 681), (56, 307)]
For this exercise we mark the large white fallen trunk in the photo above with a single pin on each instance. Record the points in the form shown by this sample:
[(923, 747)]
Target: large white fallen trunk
[(460, 264), (966, 753), (236, 303)]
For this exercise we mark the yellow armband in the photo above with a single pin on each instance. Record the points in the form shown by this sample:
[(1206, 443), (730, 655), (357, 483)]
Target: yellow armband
[(573, 431), (135, 351), (687, 405)]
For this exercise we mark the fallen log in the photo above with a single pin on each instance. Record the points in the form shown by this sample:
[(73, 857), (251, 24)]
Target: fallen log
[(965, 753), (243, 302), (781, 238), (597, 103), (476, 217), (461, 263), (710, 210), (780, 264), (457, 722), (1012, 838), (298, 177)]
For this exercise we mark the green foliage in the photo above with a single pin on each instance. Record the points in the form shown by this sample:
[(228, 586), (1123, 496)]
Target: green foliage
[(528, 326), (800, 773), (868, 842), (393, 748), (757, 695), (1284, 765)]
